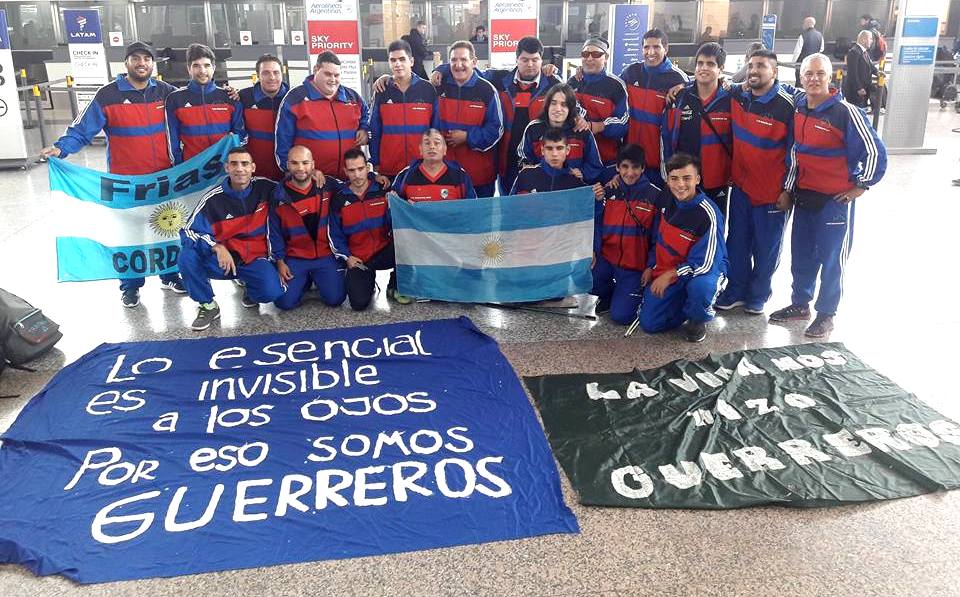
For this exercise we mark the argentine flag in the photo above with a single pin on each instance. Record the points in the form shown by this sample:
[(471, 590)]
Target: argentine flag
[(121, 226), (498, 250)]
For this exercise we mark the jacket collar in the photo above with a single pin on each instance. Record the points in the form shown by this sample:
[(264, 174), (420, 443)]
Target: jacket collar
[(234, 194), (697, 200), (766, 97), (124, 85), (195, 87), (663, 67), (259, 95), (553, 172)]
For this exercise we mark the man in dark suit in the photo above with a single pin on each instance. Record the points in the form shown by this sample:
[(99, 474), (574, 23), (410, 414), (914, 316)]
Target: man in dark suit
[(858, 82)]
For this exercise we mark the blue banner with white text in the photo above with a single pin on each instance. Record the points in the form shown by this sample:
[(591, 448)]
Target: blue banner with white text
[(274, 449)]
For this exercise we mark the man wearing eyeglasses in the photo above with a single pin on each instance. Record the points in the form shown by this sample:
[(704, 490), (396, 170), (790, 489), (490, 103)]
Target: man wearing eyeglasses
[(838, 156), (604, 97)]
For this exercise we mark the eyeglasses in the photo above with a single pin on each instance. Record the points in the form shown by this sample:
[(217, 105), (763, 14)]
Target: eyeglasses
[(594, 54)]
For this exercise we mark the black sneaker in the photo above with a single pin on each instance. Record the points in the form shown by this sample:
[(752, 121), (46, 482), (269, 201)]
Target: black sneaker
[(695, 331), (603, 306), (726, 304), (248, 302), (206, 315), (130, 297), (175, 286), (821, 326), (791, 313)]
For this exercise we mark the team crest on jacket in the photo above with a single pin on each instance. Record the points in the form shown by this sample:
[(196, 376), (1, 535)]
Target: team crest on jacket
[(167, 219), (444, 193)]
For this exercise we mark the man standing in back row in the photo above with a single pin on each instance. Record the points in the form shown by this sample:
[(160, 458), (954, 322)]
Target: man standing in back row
[(260, 105), (647, 84), (129, 110), (323, 116)]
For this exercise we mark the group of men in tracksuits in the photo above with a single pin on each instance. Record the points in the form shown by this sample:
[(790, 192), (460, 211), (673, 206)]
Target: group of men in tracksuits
[(671, 162)]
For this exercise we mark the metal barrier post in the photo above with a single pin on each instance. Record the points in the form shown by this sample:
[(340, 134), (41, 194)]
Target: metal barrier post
[(72, 96), (26, 100), (40, 125)]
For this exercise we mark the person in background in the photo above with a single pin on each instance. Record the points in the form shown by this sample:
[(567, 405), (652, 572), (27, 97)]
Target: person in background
[(809, 42), (857, 84), (479, 35), (418, 45), (741, 75)]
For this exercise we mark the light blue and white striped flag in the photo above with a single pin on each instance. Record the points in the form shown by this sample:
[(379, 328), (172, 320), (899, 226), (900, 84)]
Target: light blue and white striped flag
[(120, 226), (502, 250)]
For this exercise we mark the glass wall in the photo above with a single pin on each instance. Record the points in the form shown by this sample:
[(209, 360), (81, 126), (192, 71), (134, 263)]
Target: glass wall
[(678, 19), (171, 23), (551, 21), (791, 14), (744, 19), (31, 25), (452, 21), (845, 17), (587, 19), (259, 18), (113, 14)]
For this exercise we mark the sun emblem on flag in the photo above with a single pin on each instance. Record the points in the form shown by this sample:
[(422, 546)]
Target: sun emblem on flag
[(492, 251), (167, 219)]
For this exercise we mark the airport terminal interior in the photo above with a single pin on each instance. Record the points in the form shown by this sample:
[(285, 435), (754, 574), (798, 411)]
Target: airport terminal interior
[(897, 314)]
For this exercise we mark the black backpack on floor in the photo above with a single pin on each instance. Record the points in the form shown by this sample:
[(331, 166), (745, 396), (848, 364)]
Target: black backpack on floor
[(25, 332)]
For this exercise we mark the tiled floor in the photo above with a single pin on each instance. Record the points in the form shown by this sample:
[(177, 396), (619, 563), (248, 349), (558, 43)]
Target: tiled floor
[(898, 313)]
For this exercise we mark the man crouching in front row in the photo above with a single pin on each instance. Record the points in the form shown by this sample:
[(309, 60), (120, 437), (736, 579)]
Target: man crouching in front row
[(691, 258), (226, 239)]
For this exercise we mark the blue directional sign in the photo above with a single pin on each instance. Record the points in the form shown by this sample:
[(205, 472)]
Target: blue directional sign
[(768, 31), (630, 22)]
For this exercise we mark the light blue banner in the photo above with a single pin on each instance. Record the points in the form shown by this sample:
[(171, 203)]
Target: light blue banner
[(118, 226), (504, 249)]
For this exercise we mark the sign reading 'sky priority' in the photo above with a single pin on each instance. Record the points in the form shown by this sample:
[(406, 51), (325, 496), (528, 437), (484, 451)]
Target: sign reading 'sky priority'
[(274, 449)]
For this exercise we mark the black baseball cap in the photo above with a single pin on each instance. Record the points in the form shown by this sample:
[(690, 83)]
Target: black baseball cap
[(139, 46)]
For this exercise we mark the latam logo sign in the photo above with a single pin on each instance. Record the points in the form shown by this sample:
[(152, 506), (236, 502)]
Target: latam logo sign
[(340, 37), (83, 26)]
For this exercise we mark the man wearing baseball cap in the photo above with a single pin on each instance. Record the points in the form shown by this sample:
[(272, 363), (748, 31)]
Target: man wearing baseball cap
[(603, 96), (129, 110)]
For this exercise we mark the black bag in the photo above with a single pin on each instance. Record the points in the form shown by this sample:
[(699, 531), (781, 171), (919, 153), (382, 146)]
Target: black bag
[(26, 333)]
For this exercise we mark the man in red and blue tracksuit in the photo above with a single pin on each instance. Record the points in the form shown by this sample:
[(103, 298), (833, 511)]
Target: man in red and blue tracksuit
[(433, 178), (762, 137), (227, 238), (522, 91), (471, 118), (305, 247), (688, 268), (129, 110), (647, 84), (323, 116), (583, 155), (699, 123), (625, 230), (838, 156), (360, 212), (260, 105), (201, 113), (603, 97), (401, 113)]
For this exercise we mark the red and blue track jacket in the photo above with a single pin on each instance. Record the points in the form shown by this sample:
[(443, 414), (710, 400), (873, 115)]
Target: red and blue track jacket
[(604, 97), (397, 121), (583, 150), (328, 127), (626, 224), (836, 148), (646, 98), (521, 101), (260, 118), (198, 117), (238, 220), (689, 237), (415, 184), (300, 222), (542, 178), (762, 138), (685, 129), (133, 121), (363, 220), (474, 108)]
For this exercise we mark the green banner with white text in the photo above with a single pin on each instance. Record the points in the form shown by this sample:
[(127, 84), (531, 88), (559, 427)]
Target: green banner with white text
[(808, 425)]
